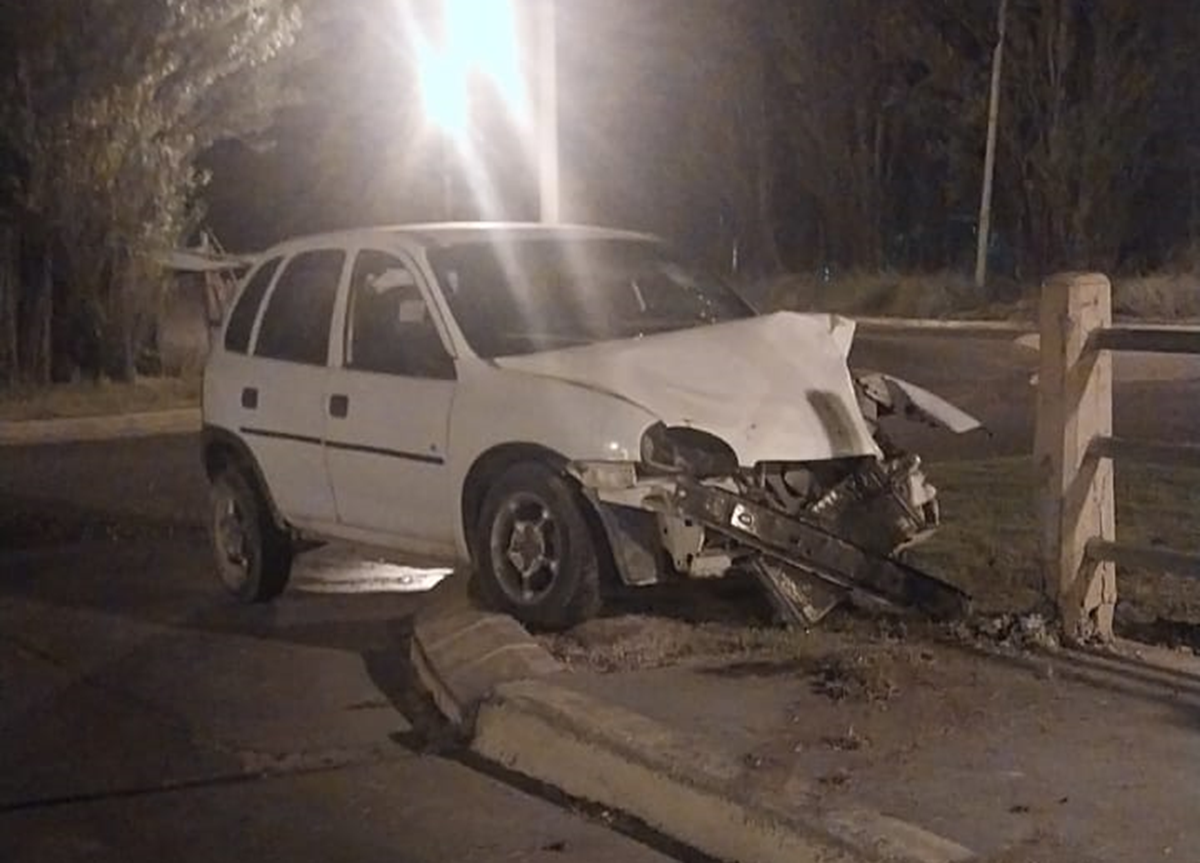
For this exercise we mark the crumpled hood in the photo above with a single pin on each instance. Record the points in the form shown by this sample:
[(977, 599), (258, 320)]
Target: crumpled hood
[(775, 388)]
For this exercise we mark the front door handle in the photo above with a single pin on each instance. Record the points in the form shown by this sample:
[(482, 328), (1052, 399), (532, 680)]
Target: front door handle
[(249, 398), (339, 406)]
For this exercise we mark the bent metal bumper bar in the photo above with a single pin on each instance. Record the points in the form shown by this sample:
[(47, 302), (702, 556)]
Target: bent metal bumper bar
[(797, 551)]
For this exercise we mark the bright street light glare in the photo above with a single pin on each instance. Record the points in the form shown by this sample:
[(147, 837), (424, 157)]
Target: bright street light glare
[(479, 39), (483, 36), (443, 90)]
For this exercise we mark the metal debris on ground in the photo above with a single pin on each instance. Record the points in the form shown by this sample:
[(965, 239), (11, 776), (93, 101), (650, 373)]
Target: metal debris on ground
[(1032, 631)]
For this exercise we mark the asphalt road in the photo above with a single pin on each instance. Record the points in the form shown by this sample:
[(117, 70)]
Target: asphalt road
[(144, 715)]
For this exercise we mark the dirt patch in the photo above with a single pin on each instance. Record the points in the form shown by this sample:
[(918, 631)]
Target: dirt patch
[(983, 731), (865, 707), (851, 741), (98, 399), (856, 676), (634, 642), (853, 657)]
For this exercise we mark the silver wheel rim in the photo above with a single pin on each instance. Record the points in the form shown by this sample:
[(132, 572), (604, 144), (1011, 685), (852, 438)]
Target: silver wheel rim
[(526, 548), (233, 539)]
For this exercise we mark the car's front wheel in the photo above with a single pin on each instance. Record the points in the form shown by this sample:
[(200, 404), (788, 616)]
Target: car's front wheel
[(535, 555), (253, 556)]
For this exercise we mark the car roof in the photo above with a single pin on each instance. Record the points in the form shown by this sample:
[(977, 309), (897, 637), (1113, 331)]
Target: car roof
[(445, 234)]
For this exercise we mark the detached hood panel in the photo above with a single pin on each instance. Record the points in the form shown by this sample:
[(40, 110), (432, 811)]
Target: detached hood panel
[(775, 388)]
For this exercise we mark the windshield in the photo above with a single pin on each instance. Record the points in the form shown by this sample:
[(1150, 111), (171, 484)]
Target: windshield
[(525, 296)]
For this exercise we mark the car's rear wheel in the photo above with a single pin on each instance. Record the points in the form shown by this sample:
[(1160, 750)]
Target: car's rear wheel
[(535, 554), (253, 556)]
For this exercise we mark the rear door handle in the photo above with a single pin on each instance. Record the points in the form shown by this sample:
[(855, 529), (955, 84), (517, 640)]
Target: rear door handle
[(250, 398), (339, 406)]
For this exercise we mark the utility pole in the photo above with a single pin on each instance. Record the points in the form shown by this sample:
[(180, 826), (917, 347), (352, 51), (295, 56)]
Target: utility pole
[(547, 90), (989, 160)]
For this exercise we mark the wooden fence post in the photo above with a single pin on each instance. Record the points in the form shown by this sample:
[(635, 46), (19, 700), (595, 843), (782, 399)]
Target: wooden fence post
[(1074, 407)]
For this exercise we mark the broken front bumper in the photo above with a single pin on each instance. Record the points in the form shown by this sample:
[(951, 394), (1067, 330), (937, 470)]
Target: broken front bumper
[(807, 566), (839, 548)]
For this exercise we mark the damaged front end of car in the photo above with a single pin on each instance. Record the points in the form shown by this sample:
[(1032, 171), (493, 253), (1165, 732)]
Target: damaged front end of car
[(814, 534)]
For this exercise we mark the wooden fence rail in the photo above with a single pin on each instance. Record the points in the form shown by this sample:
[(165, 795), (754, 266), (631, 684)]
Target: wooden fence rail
[(1075, 450)]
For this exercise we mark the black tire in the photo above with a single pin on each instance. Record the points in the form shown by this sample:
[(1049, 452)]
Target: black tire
[(253, 556), (533, 512)]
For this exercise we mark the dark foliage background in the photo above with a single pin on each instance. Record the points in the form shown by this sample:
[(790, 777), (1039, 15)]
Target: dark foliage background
[(761, 135)]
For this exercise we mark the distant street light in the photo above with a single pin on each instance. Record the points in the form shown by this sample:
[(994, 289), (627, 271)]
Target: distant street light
[(479, 41)]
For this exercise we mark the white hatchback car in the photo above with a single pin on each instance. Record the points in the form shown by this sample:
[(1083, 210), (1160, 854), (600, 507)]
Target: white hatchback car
[(553, 405)]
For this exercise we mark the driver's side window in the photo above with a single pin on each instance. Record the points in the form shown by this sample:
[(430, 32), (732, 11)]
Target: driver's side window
[(390, 328)]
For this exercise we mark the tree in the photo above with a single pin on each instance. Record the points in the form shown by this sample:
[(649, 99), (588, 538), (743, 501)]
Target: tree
[(868, 99), (666, 124), (1086, 85), (1093, 93), (108, 106)]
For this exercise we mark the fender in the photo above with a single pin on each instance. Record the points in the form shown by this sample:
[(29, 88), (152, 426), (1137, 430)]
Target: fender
[(214, 437)]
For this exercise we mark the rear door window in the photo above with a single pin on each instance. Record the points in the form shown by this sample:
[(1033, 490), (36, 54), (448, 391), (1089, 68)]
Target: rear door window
[(296, 324)]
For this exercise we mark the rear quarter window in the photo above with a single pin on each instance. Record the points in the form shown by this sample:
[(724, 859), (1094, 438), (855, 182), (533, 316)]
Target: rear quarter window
[(245, 311)]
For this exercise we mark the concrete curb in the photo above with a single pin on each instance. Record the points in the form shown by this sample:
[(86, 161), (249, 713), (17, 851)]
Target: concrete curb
[(461, 654), (679, 784), (73, 430), (491, 679)]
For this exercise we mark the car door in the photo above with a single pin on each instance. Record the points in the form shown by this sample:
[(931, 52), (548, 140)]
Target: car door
[(389, 408), (283, 395)]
